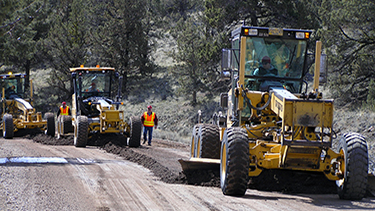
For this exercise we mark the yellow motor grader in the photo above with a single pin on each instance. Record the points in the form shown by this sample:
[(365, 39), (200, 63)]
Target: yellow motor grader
[(93, 110), (16, 111), (271, 122)]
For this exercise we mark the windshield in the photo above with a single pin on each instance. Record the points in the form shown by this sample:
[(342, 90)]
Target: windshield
[(96, 84), (14, 87), (275, 58)]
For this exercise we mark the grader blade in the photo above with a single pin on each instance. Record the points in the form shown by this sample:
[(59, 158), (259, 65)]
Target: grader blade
[(199, 163)]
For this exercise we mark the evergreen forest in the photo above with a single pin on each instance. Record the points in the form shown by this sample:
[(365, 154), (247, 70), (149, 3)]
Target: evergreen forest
[(44, 38)]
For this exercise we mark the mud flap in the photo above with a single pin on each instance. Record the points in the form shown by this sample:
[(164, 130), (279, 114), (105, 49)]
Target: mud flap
[(199, 163)]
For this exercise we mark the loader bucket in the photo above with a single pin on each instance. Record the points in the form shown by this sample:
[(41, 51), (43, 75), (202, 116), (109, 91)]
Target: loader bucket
[(199, 164)]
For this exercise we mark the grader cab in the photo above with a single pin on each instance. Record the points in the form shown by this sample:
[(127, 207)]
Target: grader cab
[(93, 109), (17, 112), (271, 122)]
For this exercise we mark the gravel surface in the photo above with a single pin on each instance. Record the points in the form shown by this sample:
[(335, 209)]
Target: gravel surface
[(162, 159)]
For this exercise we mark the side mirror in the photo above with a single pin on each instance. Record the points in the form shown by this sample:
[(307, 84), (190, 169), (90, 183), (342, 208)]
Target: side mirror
[(225, 58), (224, 100), (226, 63)]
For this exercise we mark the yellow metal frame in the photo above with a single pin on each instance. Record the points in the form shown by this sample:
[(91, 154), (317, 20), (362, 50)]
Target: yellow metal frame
[(288, 151), (292, 132), (110, 119), (23, 118)]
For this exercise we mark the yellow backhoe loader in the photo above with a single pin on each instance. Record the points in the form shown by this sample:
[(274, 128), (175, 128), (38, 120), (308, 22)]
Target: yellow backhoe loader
[(17, 112), (93, 110), (271, 121)]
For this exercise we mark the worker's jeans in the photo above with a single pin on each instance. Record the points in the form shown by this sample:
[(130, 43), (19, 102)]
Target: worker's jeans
[(149, 129)]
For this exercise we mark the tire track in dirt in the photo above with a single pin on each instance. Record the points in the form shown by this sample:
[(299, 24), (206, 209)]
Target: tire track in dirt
[(285, 181)]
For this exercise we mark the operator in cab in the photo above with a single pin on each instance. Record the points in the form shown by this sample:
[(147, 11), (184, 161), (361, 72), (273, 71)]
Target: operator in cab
[(266, 68), (92, 88), (11, 90)]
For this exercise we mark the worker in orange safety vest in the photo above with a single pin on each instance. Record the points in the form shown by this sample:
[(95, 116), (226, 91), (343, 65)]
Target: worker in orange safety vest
[(64, 109), (149, 120)]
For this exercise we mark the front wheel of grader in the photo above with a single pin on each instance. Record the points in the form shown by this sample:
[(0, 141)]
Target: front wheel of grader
[(81, 131), (354, 166), (234, 164), (8, 127), (50, 124), (135, 132)]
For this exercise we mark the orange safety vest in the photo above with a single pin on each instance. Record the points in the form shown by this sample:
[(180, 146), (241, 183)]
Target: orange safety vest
[(64, 111), (149, 119)]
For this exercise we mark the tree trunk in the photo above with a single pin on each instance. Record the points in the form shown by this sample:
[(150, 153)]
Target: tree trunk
[(27, 71), (194, 100), (124, 93)]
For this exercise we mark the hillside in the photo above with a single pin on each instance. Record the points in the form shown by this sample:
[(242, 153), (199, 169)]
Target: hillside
[(177, 116)]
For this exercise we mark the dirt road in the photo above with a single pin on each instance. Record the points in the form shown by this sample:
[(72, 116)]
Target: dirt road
[(36, 176)]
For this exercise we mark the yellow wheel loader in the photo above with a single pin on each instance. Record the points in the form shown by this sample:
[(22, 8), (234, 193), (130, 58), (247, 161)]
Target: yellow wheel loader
[(271, 122), (93, 109), (17, 112)]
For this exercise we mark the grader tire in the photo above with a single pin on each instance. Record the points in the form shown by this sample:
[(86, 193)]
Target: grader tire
[(135, 132), (234, 165), (8, 127), (50, 124), (81, 131), (194, 140), (208, 145), (353, 147), (66, 123)]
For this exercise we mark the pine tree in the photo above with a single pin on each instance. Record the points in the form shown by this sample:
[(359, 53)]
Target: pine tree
[(121, 37), (24, 28), (67, 44), (349, 37), (197, 55)]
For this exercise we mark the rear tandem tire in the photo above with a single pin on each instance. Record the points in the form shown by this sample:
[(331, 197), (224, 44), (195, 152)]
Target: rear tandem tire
[(81, 131), (8, 127), (66, 123), (194, 140), (353, 147), (234, 165), (208, 145), (50, 124), (135, 132)]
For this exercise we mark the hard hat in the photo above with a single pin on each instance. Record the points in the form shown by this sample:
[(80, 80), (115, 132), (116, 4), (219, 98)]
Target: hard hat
[(93, 84), (64, 103), (149, 106), (266, 59)]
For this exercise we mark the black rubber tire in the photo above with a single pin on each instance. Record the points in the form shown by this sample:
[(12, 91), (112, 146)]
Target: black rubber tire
[(208, 145), (234, 165), (194, 139), (66, 124), (354, 148), (81, 131), (8, 127), (50, 124), (135, 131)]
